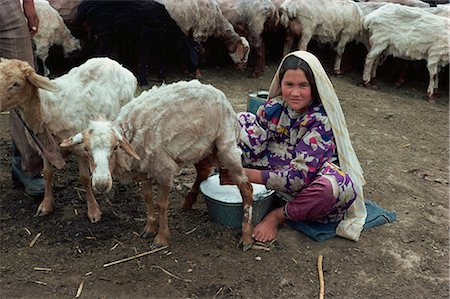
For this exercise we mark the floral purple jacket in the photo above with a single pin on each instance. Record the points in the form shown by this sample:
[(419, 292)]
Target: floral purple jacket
[(293, 148)]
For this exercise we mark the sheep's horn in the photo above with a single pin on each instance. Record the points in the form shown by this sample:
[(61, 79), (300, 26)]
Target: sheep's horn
[(42, 82), (126, 146)]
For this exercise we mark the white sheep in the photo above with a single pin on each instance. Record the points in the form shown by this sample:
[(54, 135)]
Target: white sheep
[(56, 109), (368, 6), (158, 133), (249, 19), (412, 3), (201, 19), (52, 31), (329, 21), (67, 9), (408, 33), (442, 10)]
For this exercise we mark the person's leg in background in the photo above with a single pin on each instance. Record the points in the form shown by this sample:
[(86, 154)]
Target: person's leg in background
[(15, 42)]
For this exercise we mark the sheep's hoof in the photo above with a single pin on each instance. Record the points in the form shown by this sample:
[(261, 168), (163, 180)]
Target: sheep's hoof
[(370, 85), (160, 240), (189, 200), (186, 205), (255, 74), (154, 246), (432, 99), (147, 234), (197, 74), (43, 211), (399, 83), (95, 217), (245, 246)]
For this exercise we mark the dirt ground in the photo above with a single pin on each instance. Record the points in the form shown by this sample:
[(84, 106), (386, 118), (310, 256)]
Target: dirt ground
[(402, 143)]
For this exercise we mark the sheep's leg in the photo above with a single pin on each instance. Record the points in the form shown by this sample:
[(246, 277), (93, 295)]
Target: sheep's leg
[(230, 158), (259, 59), (375, 65), (288, 42), (94, 212), (304, 41), (373, 55), (144, 54), (162, 238), (246, 191), (43, 59), (432, 70), (436, 79), (46, 206), (403, 65), (151, 227), (339, 51), (46, 70), (436, 93), (203, 168)]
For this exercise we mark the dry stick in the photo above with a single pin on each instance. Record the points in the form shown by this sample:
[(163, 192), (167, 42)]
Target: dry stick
[(79, 189), (42, 269), (170, 274), (319, 267), (259, 247), (191, 231), (34, 240), (80, 289), (134, 257)]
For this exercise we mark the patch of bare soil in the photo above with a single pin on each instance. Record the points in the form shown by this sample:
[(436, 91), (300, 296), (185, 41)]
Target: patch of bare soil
[(402, 143)]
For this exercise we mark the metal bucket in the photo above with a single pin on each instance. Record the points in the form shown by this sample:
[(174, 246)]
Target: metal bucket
[(224, 202), (256, 99)]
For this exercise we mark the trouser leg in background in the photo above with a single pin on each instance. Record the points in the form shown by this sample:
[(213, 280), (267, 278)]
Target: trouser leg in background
[(15, 42)]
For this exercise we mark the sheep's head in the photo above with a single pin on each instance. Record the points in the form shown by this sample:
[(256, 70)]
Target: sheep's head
[(240, 54), (19, 82), (100, 143), (71, 45)]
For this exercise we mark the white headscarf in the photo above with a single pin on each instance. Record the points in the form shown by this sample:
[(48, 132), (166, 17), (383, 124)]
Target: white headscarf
[(352, 224)]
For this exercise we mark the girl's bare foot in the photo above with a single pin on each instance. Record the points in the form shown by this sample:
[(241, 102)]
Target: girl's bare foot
[(267, 229)]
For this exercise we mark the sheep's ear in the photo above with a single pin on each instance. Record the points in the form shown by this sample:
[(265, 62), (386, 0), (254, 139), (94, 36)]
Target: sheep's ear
[(126, 146), (71, 141), (42, 82)]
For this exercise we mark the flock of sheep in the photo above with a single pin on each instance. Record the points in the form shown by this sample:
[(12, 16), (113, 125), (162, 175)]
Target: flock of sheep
[(128, 32), (92, 112)]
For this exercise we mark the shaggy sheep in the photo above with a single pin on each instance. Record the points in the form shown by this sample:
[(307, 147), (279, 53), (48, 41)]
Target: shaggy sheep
[(390, 33), (56, 109), (201, 19), (442, 10), (67, 9), (52, 31), (158, 133), (328, 21), (412, 3), (368, 7), (143, 29), (249, 19)]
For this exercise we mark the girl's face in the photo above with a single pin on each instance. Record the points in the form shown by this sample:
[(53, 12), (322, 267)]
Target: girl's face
[(295, 89)]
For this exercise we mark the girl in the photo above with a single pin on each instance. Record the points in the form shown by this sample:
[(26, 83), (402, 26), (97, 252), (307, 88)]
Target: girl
[(294, 145)]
